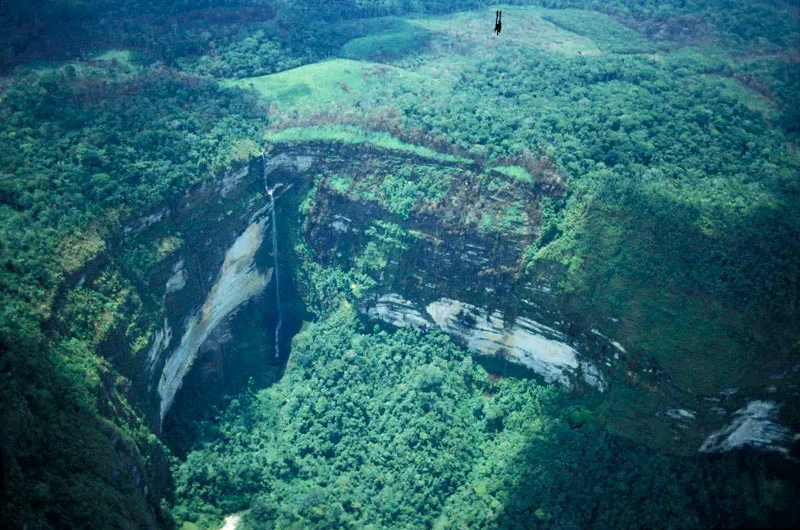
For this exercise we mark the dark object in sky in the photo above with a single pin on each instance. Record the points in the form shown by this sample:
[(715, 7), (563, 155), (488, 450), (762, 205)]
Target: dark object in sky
[(498, 23)]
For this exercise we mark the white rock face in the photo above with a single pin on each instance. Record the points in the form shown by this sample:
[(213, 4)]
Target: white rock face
[(232, 522), (398, 311), (681, 414), (161, 340), (298, 163), (526, 342), (537, 347), (618, 346), (752, 425), (341, 223), (177, 279), (303, 163), (593, 376), (238, 282)]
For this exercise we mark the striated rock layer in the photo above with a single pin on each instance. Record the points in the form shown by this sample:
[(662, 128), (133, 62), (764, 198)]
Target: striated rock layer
[(207, 317), (753, 425), (238, 282), (457, 272)]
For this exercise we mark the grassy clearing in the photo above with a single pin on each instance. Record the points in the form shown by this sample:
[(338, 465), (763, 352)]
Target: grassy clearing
[(125, 57), (471, 32), (353, 135), (397, 40), (747, 97), (453, 42), (610, 35), (516, 172), (320, 84)]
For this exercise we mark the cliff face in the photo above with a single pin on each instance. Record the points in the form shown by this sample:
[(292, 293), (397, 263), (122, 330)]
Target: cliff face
[(210, 307), (192, 275), (457, 273), (237, 282), (217, 266), (458, 267), (461, 279), (453, 262)]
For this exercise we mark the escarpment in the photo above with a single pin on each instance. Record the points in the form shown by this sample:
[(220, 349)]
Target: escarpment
[(455, 261), (238, 282), (441, 247)]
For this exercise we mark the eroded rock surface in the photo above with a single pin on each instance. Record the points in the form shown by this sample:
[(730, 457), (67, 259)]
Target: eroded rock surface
[(523, 341), (455, 271), (177, 280), (238, 282), (397, 311), (754, 425)]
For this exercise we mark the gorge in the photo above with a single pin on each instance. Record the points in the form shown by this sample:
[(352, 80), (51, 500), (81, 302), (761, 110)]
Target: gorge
[(279, 264), (213, 328), (490, 310)]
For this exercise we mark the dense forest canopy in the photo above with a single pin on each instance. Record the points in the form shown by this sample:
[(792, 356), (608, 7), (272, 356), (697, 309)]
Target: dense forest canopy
[(660, 139), (47, 28)]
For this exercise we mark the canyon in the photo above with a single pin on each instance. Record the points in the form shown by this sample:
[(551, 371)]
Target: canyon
[(214, 317)]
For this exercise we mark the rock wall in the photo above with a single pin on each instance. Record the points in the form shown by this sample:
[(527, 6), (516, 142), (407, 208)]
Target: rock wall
[(465, 282), (208, 302), (753, 425), (238, 281), (453, 276), (214, 309), (468, 283)]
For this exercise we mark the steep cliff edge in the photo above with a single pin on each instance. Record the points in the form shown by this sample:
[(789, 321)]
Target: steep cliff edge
[(438, 244), (163, 295), (456, 261)]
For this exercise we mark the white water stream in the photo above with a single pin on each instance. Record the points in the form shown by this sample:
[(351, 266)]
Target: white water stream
[(276, 274)]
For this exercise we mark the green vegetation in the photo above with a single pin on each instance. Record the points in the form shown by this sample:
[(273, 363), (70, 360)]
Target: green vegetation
[(319, 85), (398, 189), (70, 134), (354, 135), (747, 97), (396, 41), (516, 172), (464, 34), (674, 175), (252, 53), (403, 430), (82, 147), (608, 34), (673, 128)]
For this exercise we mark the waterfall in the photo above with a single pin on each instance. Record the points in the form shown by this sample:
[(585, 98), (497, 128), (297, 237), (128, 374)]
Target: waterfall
[(275, 271)]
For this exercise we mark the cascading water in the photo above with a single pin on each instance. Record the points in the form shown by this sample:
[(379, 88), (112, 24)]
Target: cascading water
[(275, 271)]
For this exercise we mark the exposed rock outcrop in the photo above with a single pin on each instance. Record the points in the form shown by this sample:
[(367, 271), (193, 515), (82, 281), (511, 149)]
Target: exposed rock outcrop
[(161, 341), (239, 281), (470, 275), (397, 311), (455, 272), (537, 347), (754, 425), (523, 341), (177, 280)]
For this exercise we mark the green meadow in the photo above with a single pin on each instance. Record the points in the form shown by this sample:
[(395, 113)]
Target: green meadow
[(319, 85)]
